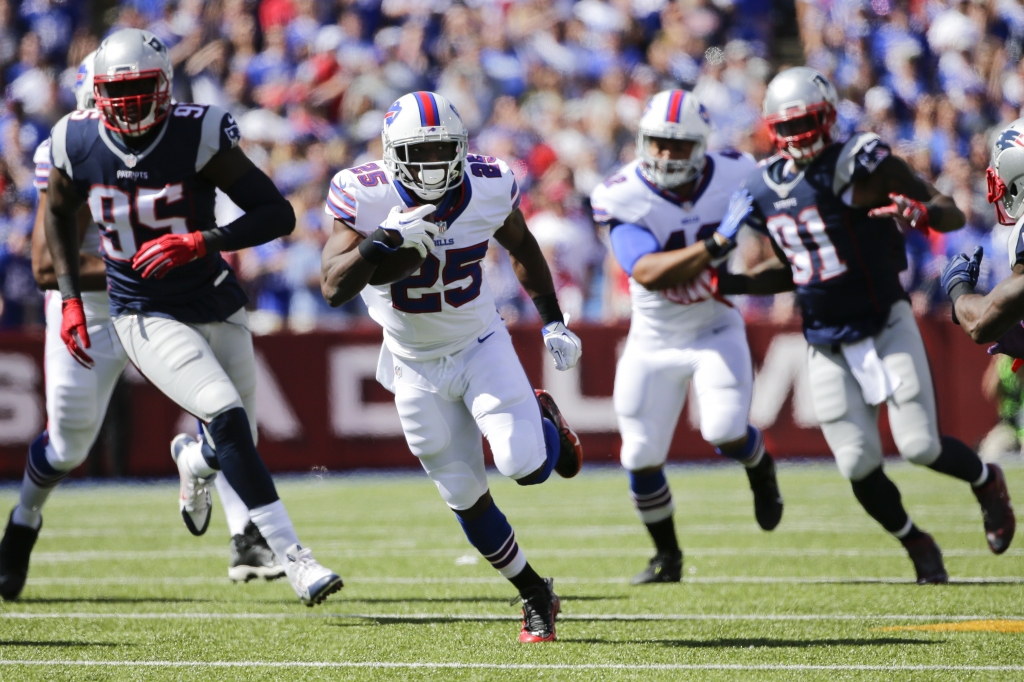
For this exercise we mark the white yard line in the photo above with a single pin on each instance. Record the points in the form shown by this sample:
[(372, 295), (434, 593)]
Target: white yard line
[(394, 580), (200, 615), (325, 549), (504, 666)]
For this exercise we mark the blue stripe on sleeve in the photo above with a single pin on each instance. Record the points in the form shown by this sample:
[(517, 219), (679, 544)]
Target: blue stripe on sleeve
[(630, 243)]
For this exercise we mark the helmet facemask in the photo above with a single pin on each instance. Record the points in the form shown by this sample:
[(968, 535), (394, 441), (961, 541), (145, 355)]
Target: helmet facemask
[(133, 102), (801, 133), (429, 166), (669, 173)]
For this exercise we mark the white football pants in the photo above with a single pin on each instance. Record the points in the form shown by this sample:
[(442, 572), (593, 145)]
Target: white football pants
[(445, 404), (77, 397), (651, 381), (850, 425), (207, 368)]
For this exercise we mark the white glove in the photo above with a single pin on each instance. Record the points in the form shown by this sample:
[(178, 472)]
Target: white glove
[(416, 232), (564, 346)]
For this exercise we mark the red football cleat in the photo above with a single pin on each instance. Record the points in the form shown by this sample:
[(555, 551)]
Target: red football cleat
[(570, 458), (540, 608)]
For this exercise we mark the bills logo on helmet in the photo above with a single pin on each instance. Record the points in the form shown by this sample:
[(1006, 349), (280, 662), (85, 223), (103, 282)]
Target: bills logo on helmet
[(702, 110), (81, 76), (1010, 138), (395, 109)]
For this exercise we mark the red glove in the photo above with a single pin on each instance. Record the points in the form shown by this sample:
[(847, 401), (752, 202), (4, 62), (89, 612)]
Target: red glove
[(72, 323), (906, 211), (158, 257)]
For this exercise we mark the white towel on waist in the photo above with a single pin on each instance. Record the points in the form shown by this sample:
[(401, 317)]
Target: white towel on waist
[(877, 383)]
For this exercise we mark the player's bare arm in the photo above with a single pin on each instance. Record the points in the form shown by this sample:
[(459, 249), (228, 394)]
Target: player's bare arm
[(986, 318), (60, 224), (772, 275), (344, 271), (527, 259), (92, 272), (895, 190)]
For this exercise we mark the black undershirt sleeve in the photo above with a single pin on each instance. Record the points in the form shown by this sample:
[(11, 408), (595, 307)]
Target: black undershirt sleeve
[(268, 215)]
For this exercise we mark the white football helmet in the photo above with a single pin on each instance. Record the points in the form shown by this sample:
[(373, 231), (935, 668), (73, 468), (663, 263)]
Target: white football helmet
[(800, 111), (128, 56), (1005, 174), (417, 118), (677, 115), (84, 97)]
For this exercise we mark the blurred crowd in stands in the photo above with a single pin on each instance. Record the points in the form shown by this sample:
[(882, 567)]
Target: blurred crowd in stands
[(554, 87)]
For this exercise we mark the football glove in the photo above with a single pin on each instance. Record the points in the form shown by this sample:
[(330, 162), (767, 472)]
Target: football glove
[(416, 232), (740, 206), (158, 257), (962, 269), (564, 346), (72, 325), (906, 211)]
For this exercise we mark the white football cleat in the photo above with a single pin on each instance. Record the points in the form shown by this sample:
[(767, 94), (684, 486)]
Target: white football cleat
[(194, 501), (312, 582)]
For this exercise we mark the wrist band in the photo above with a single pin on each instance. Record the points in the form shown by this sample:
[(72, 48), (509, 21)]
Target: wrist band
[(718, 250), (547, 308), (375, 247)]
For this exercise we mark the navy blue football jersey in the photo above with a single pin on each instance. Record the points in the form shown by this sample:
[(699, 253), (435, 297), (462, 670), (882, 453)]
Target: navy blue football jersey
[(845, 265), (138, 196)]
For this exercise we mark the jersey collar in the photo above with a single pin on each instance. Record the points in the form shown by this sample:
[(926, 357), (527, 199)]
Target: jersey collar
[(128, 157), (451, 205), (672, 197)]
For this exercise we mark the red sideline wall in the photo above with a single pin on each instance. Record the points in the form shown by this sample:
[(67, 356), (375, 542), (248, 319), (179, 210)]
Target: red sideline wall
[(319, 405)]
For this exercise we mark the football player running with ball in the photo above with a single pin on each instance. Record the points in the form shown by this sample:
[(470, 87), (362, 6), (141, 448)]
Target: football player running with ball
[(147, 168), (671, 220), (831, 211), (77, 397), (410, 233)]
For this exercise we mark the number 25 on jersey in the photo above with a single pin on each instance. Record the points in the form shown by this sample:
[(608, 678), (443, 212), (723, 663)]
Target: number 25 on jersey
[(118, 213)]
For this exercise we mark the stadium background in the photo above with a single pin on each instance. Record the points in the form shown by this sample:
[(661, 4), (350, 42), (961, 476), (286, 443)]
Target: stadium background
[(555, 88)]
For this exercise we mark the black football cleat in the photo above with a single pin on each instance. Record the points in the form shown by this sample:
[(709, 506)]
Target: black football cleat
[(251, 557), (15, 550), (663, 568), (570, 458), (767, 498), (927, 558), (996, 510), (540, 608)]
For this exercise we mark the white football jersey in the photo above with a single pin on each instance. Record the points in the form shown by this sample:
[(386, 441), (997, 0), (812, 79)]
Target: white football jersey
[(629, 197), (95, 303), (445, 305)]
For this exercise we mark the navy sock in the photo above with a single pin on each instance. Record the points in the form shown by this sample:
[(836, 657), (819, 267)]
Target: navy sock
[(239, 461), (493, 537), (958, 460), (752, 449), (881, 500), (651, 496), (38, 468), (553, 449)]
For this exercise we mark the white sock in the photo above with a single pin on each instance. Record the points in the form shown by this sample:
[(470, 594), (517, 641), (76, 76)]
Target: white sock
[(235, 511), (515, 567), (273, 522), (193, 455), (983, 479), (30, 505)]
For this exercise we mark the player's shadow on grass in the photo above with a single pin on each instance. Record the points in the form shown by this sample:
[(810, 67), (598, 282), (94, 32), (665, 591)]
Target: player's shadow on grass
[(457, 600), (30, 643), (113, 600), (756, 643)]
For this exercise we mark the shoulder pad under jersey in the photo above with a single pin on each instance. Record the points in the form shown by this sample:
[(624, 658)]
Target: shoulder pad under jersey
[(622, 198), (218, 133)]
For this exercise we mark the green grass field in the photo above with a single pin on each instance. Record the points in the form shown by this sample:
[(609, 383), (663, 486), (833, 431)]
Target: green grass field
[(120, 591)]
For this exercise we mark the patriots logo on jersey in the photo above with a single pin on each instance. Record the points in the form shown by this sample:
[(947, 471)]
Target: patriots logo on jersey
[(395, 109), (232, 131), (872, 154), (1010, 138)]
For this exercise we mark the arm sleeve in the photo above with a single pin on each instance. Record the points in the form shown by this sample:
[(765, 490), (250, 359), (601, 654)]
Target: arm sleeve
[(268, 215), (630, 242)]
